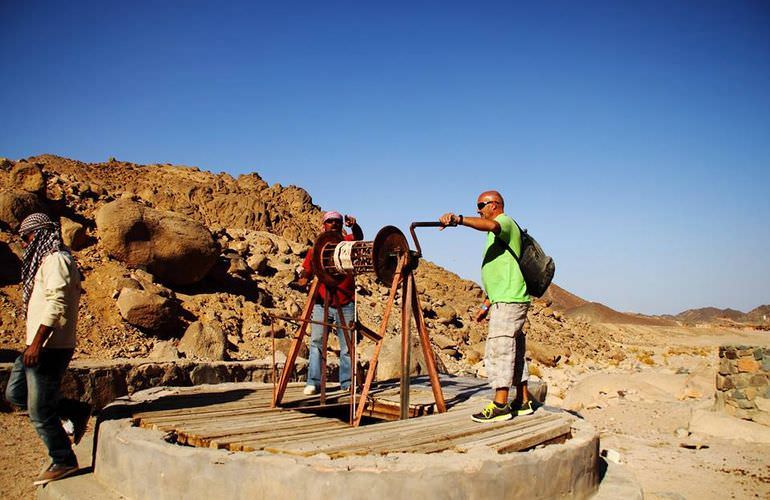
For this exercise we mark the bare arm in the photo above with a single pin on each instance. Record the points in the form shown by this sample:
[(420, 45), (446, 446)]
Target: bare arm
[(477, 223), (358, 233), (32, 352)]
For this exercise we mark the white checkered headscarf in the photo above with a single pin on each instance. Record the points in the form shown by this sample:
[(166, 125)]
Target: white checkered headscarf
[(47, 240)]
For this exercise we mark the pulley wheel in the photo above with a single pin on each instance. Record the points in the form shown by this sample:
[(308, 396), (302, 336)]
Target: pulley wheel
[(389, 245), (322, 260)]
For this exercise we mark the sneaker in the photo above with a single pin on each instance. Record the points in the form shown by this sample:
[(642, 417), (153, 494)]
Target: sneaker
[(80, 423), (491, 413), (54, 472), (309, 390), (525, 409)]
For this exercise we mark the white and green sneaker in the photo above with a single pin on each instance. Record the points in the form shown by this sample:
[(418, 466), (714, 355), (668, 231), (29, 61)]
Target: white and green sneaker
[(524, 408), (493, 413)]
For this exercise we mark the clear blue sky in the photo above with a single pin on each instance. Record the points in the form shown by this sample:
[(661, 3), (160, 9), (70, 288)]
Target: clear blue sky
[(631, 138)]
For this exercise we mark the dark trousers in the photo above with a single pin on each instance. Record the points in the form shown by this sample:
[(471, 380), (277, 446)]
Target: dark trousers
[(36, 389)]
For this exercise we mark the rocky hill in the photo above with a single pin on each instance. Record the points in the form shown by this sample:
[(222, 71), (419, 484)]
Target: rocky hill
[(182, 262), (759, 316)]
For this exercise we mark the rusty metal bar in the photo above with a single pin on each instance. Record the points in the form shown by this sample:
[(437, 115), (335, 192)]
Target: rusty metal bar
[(383, 327), (406, 344), (418, 254)]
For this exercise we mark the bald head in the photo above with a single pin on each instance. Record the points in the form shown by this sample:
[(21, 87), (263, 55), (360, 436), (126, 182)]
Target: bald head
[(491, 196), (490, 204)]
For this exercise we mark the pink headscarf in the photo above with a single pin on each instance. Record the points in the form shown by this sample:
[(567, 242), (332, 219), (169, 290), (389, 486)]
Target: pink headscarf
[(331, 216)]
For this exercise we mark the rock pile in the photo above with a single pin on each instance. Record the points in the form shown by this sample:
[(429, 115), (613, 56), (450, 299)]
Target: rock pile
[(180, 262), (743, 382)]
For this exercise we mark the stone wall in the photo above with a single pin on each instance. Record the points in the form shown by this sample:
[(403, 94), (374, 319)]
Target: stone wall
[(99, 383), (743, 382)]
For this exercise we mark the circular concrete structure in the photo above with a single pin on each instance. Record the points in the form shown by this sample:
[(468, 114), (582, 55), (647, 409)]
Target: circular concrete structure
[(138, 463)]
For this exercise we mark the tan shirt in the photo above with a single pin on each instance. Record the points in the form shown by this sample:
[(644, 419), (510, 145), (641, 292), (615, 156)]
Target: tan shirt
[(54, 300)]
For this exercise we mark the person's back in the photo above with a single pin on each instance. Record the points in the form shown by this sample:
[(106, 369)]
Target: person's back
[(55, 299)]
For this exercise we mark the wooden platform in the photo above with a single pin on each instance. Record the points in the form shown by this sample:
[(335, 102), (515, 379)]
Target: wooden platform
[(242, 420)]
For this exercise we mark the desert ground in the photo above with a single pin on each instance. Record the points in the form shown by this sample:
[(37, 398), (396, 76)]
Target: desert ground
[(642, 409)]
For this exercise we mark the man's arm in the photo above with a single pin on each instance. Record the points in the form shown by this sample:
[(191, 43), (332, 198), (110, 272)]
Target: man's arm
[(306, 273), (477, 223), (358, 233), (32, 352)]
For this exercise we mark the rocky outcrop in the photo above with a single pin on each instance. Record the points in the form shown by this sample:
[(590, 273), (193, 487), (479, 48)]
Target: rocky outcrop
[(177, 250), (205, 341), (73, 234), (15, 205), (28, 177), (146, 310)]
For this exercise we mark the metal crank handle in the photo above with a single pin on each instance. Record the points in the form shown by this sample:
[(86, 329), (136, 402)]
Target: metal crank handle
[(422, 224)]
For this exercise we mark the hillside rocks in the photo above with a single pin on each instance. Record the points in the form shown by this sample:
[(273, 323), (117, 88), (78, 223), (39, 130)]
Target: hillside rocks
[(15, 205), (28, 177), (177, 250), (205, 341), (146, 310), (193, 246), (73, 234)]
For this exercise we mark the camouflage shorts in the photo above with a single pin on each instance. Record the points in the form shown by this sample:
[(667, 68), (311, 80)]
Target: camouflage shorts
[(506, 344)]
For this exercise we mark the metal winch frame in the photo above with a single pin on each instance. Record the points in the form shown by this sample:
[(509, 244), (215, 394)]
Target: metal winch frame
[(388, 256)]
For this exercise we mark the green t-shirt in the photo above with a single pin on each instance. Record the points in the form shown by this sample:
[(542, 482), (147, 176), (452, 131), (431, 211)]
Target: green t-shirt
[(500, 273)]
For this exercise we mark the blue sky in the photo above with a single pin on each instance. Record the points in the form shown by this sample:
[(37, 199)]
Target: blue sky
[(631, 138)]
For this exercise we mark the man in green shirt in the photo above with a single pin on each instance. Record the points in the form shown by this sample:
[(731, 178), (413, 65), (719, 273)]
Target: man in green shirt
[(507, 303)]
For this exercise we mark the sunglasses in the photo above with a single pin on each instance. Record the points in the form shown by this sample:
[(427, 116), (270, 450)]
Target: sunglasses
[(483, 204), (333, 221)]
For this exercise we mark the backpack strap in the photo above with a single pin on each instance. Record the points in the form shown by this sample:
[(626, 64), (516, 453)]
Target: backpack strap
[(507, 246)]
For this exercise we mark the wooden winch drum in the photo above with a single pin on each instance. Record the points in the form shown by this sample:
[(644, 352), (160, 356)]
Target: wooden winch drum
[(335, 258)]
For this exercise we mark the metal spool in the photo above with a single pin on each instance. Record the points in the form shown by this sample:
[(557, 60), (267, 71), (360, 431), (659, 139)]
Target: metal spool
[(334, 258)]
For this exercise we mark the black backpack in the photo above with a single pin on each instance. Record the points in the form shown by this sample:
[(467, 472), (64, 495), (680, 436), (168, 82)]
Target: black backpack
[(536, 267)]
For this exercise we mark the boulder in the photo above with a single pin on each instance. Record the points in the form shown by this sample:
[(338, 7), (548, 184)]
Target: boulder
[(259, 263), (445, 314), (73, 234), (27, 177), (206, 341), (146, 310), (163, 350), (16, 205), (177, 250), (443, 341), (10, 265), (389, 361)]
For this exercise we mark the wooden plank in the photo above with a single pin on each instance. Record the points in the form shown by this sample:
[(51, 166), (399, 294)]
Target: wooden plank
[(517, 437), (206, 416), (261, 441), (434, 435), (202, 430), (525, 442), (449, 419), (257, 395), (437, 441), (371, 434), (251, 427)]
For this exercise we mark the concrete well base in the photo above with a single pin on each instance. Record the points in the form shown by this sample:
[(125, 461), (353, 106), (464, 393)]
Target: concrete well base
[(137, 463)]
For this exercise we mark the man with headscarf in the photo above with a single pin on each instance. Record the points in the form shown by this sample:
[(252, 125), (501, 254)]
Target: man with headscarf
[(342, 298), (51, 290)]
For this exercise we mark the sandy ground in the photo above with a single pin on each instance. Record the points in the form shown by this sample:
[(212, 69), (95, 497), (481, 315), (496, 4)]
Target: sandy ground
[(642, 407), (644, 413), (22, 456)]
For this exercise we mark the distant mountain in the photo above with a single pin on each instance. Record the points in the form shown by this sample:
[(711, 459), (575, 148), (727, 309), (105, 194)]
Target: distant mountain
[(708, 314), (561, 299), (593, 312), (759, 314)]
